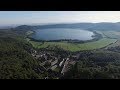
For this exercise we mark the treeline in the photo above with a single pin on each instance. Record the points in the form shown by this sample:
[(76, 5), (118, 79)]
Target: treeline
[(115, 49)]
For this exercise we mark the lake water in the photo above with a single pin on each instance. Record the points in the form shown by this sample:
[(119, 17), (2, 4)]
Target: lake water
[(62, 33)]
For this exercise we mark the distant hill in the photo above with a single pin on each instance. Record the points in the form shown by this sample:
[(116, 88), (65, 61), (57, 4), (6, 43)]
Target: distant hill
[(88, 26), (105, 26)]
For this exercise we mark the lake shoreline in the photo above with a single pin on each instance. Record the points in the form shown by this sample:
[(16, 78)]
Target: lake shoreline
[(95, 37)]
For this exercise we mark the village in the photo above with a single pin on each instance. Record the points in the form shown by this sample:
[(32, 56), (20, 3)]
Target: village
[(49, 60)]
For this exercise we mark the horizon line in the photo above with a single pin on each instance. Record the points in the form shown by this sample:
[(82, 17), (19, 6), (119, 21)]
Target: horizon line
[(53, 23)]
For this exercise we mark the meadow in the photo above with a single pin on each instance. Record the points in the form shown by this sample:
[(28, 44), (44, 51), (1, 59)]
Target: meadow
[(74, 47), (111, 34)]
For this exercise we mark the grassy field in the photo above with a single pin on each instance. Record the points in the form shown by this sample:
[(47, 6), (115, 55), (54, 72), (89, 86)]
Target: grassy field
[(74, 47), (114, 44), (112, 34)]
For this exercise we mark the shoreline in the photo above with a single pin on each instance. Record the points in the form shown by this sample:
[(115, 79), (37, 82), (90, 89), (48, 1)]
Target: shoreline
[(95, 37)]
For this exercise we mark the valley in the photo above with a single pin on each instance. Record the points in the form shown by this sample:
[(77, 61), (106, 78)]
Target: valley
[(24, 58)]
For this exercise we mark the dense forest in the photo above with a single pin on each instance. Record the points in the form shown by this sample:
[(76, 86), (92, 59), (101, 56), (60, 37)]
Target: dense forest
[(96, 65), (15, 60)]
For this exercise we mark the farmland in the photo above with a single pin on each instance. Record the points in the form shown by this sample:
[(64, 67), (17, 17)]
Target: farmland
[(111, 34), (74, 47)]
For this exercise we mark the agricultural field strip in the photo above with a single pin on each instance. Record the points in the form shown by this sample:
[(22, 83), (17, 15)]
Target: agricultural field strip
[(75, 47), (113, 34)]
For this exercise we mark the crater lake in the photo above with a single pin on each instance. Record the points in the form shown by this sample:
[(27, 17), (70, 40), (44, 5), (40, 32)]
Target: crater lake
[(62, 33)]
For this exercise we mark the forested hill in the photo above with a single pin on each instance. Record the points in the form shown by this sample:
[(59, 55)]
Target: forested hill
[(88, 26), (15, 59)]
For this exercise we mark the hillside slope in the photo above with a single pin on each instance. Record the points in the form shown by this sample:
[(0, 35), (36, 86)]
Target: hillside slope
[(15, 60)]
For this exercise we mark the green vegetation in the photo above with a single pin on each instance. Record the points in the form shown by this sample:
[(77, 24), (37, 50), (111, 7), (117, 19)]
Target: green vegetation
[(29, 32), (95, 65), (74, 47), (101, 32), (111, 34), (17, 61), (108, 38), (114, 44), (97, 44)]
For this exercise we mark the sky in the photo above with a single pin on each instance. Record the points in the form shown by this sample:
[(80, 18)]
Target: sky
[(46, 17)]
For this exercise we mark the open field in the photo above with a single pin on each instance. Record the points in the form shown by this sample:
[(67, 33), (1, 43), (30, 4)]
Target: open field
[(117, 43), (112, 34), (74, 47)]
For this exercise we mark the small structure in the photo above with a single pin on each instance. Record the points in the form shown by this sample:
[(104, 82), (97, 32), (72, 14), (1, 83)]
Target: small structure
[(54, 67), (65, 66), (61, 63), (54, 62)]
